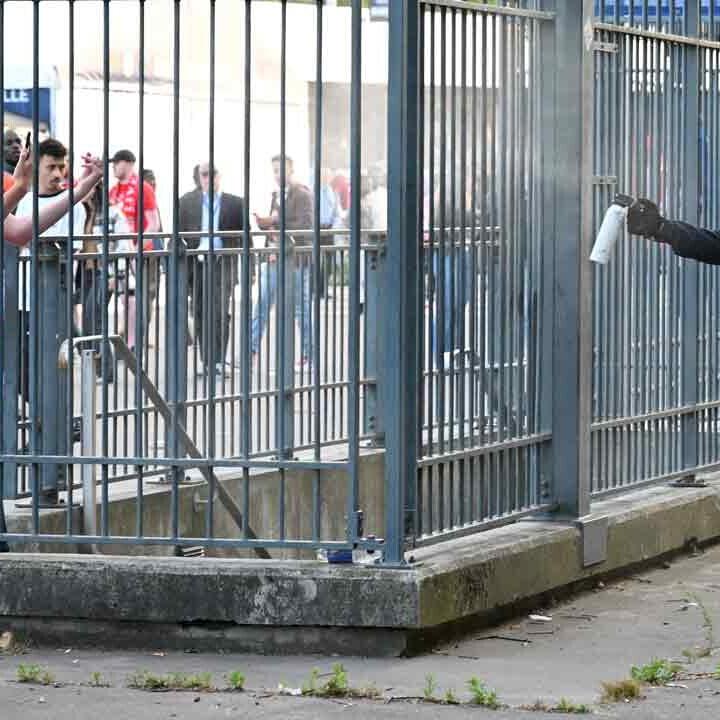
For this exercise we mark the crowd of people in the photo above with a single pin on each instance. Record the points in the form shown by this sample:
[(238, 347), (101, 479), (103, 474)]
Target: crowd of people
[(206, 209)]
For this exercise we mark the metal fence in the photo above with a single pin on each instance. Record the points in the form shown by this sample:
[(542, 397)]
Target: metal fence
[(655, 350), (483, 295), (469, 339)]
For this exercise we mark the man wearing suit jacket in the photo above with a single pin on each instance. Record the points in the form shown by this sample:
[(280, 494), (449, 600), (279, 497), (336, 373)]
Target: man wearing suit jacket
[(211, 292)]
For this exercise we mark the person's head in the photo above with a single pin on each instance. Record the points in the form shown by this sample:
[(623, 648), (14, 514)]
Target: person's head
[(123, 162), (204, 177), (289, 169), (52, 166), (149, 178), (12, 147)]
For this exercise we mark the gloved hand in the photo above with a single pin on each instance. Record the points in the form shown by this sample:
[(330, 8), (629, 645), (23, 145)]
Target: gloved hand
[(644, 218)]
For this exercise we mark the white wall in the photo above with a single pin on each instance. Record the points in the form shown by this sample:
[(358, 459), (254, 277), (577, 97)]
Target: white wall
[(194, 77)]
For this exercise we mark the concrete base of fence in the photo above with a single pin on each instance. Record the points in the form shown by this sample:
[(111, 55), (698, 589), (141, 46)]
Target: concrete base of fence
[(306, 606)]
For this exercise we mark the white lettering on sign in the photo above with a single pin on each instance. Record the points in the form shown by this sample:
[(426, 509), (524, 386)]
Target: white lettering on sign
[(16, 96)]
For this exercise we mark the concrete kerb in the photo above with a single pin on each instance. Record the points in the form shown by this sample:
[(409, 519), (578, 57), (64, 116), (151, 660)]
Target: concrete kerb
[(307, 606)]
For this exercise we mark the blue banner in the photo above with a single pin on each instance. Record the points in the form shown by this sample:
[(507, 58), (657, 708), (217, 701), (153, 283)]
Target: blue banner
[(19, 101), (652, 9)]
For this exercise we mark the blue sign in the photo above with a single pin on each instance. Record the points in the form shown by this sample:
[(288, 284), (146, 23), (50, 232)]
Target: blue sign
[(651, 11), (19, 101), (379, 9)]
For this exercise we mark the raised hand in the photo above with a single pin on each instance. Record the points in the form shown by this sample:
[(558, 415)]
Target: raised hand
[(23, 174), (92, 168)]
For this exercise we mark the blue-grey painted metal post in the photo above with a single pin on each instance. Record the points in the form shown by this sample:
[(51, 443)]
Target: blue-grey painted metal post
[(544, 283), (11, 369), (691, 213), (286, 411), (572, 287), (375, 264), (52, 396), (176, 333), (400, 336)]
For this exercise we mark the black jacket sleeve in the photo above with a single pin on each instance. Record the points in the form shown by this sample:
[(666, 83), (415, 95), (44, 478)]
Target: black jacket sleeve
[(691, 242)]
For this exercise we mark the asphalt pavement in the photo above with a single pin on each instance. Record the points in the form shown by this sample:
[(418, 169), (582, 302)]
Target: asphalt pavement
[(562, 654)]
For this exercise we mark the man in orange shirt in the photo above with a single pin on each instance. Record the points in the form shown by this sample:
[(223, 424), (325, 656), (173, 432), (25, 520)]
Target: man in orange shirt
[(7, 182)]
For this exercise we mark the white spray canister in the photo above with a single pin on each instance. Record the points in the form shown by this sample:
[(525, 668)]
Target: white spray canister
[(610, 230)]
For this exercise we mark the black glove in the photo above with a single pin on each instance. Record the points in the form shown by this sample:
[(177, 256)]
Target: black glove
[(644, 218)]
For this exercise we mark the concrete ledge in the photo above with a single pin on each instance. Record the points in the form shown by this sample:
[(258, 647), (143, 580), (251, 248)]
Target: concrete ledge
[(297, 606)]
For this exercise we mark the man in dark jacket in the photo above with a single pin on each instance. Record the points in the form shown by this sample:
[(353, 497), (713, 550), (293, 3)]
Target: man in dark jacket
[(686, 240), (216, 292), (298, 216)]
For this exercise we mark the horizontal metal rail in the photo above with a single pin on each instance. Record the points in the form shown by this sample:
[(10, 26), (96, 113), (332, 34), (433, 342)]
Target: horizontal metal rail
[(491, 9), (687, 40), (489, 449), (655, 415), (490, 524)]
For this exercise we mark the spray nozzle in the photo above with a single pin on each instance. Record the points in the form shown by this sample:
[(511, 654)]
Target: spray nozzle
[(623, 200)]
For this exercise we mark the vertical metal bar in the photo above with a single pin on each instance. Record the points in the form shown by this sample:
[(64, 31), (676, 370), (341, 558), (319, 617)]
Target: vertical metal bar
[(419, 518), (476, 252), (353, 410), (572, 357), (439, 260), (35, 347), (105, 359), (245, 344), (210, 320), (8, 483), (89, 440), (70, 373), (316, 260), (401, 327), (462, 253), (285, 315), (449, 316), (691, 270), (430, 256), (175, 319), (140, 279)]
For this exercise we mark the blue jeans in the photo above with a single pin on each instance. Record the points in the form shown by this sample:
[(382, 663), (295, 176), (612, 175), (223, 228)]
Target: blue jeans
[(456, 292), (268, 279)]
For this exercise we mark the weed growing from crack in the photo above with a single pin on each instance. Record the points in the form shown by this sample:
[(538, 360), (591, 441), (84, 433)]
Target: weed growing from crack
[(450, 697), (430, 687), (97, 680), (628, 689), (482, 695), (236, 680), (656, 672), (34, 674), (311, 686), (336, 685), (566, 706), (174, 681)]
